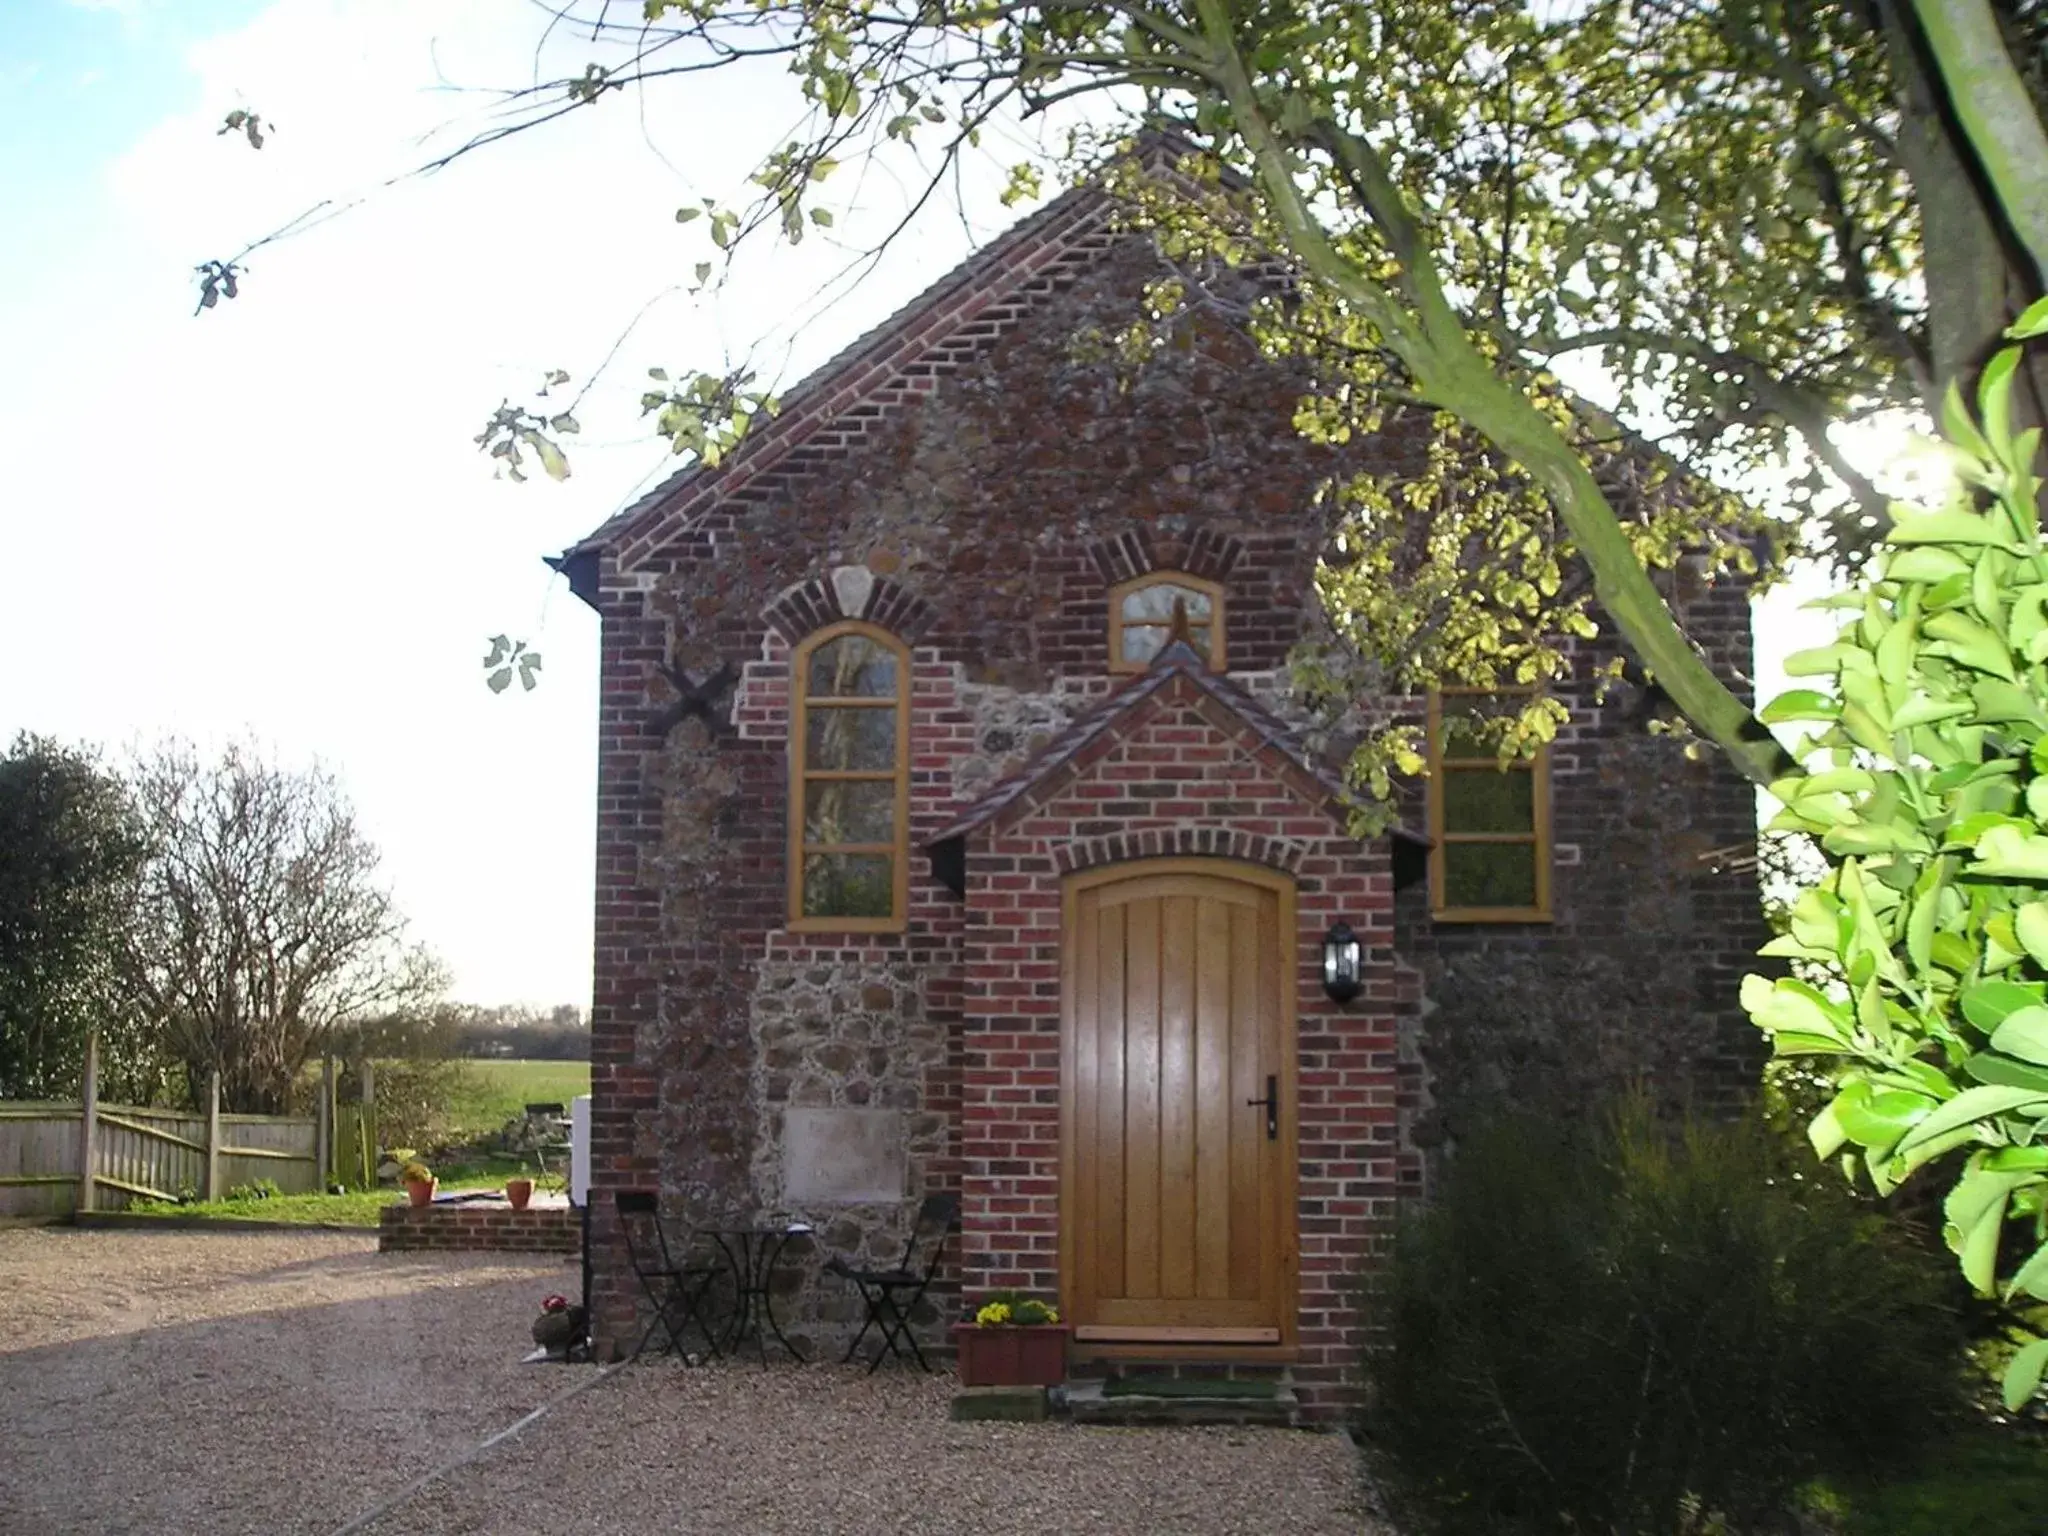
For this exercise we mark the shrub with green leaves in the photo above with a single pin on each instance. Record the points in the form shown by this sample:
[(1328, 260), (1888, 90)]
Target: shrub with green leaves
[(1625, 1326), (1926, 781)]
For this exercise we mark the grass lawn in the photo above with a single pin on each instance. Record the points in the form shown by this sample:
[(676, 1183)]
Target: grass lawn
[(496, 1091), (357, 1208), (1989, 1482)]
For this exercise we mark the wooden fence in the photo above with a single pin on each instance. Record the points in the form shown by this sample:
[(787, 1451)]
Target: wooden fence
[(146, 1154)]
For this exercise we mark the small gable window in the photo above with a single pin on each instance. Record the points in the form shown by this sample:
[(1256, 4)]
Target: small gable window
[(1145, 613), (1489, 825), (849, 780)]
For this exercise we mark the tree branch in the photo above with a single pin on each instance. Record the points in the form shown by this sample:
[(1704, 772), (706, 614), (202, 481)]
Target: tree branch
[(1991, 102), (1451, 370)]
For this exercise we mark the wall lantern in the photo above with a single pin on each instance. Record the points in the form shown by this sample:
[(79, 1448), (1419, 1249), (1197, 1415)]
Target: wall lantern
[(1342, 959)]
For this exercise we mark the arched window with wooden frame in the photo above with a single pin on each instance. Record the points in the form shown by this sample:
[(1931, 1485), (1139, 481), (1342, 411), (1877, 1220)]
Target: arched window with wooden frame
[(849, 781), (1144, 612), (1489, 823)]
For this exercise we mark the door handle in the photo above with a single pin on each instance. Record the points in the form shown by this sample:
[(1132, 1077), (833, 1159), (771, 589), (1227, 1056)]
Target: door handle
[(1272, 1103)]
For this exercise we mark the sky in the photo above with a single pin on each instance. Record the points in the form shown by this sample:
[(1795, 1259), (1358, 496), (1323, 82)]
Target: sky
[(270, 521)]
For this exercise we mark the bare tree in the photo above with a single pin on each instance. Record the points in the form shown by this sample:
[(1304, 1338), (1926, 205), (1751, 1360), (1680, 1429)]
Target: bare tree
[(260, 926)]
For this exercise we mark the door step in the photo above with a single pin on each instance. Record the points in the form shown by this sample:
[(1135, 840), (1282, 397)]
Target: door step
[(1179, 1399)]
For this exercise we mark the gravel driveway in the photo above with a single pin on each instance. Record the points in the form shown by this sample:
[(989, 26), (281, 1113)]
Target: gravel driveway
[(295, 1383)]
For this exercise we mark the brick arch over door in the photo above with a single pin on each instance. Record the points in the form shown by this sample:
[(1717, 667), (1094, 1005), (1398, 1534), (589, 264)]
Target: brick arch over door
[(1180, 842)]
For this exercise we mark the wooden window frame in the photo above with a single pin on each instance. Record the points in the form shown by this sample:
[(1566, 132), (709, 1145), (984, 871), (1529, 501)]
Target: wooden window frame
[(1211, 589), (801, 776), (1539, 835)]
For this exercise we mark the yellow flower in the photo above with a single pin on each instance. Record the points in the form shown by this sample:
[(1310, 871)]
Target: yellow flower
[(994, 1315)]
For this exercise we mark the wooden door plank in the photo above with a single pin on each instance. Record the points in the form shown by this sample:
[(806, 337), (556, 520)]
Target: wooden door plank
[(1177, 1098), (1141, 1099), (1247, 1123), (1109, 1108), (1084, 941), (1273, 1175), (1213, 1003)]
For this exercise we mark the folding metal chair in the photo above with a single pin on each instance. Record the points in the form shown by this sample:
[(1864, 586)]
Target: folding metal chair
[(678, 1290), (891, 1295)]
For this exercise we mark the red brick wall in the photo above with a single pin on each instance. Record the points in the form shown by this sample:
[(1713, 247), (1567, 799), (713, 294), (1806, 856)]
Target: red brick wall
[(485, 1228), (1231, 798), (995, 487)]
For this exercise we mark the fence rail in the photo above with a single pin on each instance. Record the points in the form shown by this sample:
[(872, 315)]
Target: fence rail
[(134, 1152)]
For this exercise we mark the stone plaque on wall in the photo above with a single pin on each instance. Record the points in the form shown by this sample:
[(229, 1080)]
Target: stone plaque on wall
[(842, 1156)]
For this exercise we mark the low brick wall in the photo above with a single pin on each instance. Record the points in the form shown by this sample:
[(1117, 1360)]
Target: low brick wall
[(489, 1228)]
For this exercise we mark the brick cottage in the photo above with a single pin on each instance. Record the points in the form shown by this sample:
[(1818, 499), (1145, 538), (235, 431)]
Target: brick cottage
[(956, 833)]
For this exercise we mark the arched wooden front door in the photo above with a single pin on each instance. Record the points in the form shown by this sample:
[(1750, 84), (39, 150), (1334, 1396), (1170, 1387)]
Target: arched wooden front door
[(1177, 1124)]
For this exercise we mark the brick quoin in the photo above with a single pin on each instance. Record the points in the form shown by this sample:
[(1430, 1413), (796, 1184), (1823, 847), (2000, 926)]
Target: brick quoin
[(965, 478)]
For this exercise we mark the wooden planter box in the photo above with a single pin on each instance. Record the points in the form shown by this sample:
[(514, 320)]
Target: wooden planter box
[(1012, 1357)]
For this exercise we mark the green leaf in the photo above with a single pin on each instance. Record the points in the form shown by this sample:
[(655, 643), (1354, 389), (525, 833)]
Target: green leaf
[(1989, 1067), (2031, 1277), (1818, 661), (1917, 527), (1994, 400), (2023, 1374), (551, 458), (1971, 1105), (1800, 704), (1921, 709), (822, 217), (2033, 321), (1825, 1131), (2024, 1034), (1976, 1209), (2030, 927), (1957, 427), (1970, 643), (2005, 851), (1927, 562), (1999, 701), (1953, 953), (1787, 1004), (565, 423), (1989, 1003), (684, 215), (1878, 1120)]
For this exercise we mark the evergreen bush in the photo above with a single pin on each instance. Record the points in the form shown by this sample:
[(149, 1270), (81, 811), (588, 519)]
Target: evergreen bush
[(1625, 1326)]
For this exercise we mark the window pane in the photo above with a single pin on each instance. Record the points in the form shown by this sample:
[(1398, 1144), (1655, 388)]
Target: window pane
[(1155, 603), (1143, 642), (1470, 722), (854, 737), (1489, 874), (860, 811), (852, 667), (1489, 800), (849, 885)]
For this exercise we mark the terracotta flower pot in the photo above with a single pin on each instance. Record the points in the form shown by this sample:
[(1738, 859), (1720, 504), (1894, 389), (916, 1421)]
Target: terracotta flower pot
[(421, 1192), (1033, 1356), (518, 1192)]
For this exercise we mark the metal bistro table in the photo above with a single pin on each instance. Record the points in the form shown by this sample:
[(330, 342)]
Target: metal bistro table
[(752, 1252)]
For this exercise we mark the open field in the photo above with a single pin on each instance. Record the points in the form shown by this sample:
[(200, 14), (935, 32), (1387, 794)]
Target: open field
[(495, 1091)]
